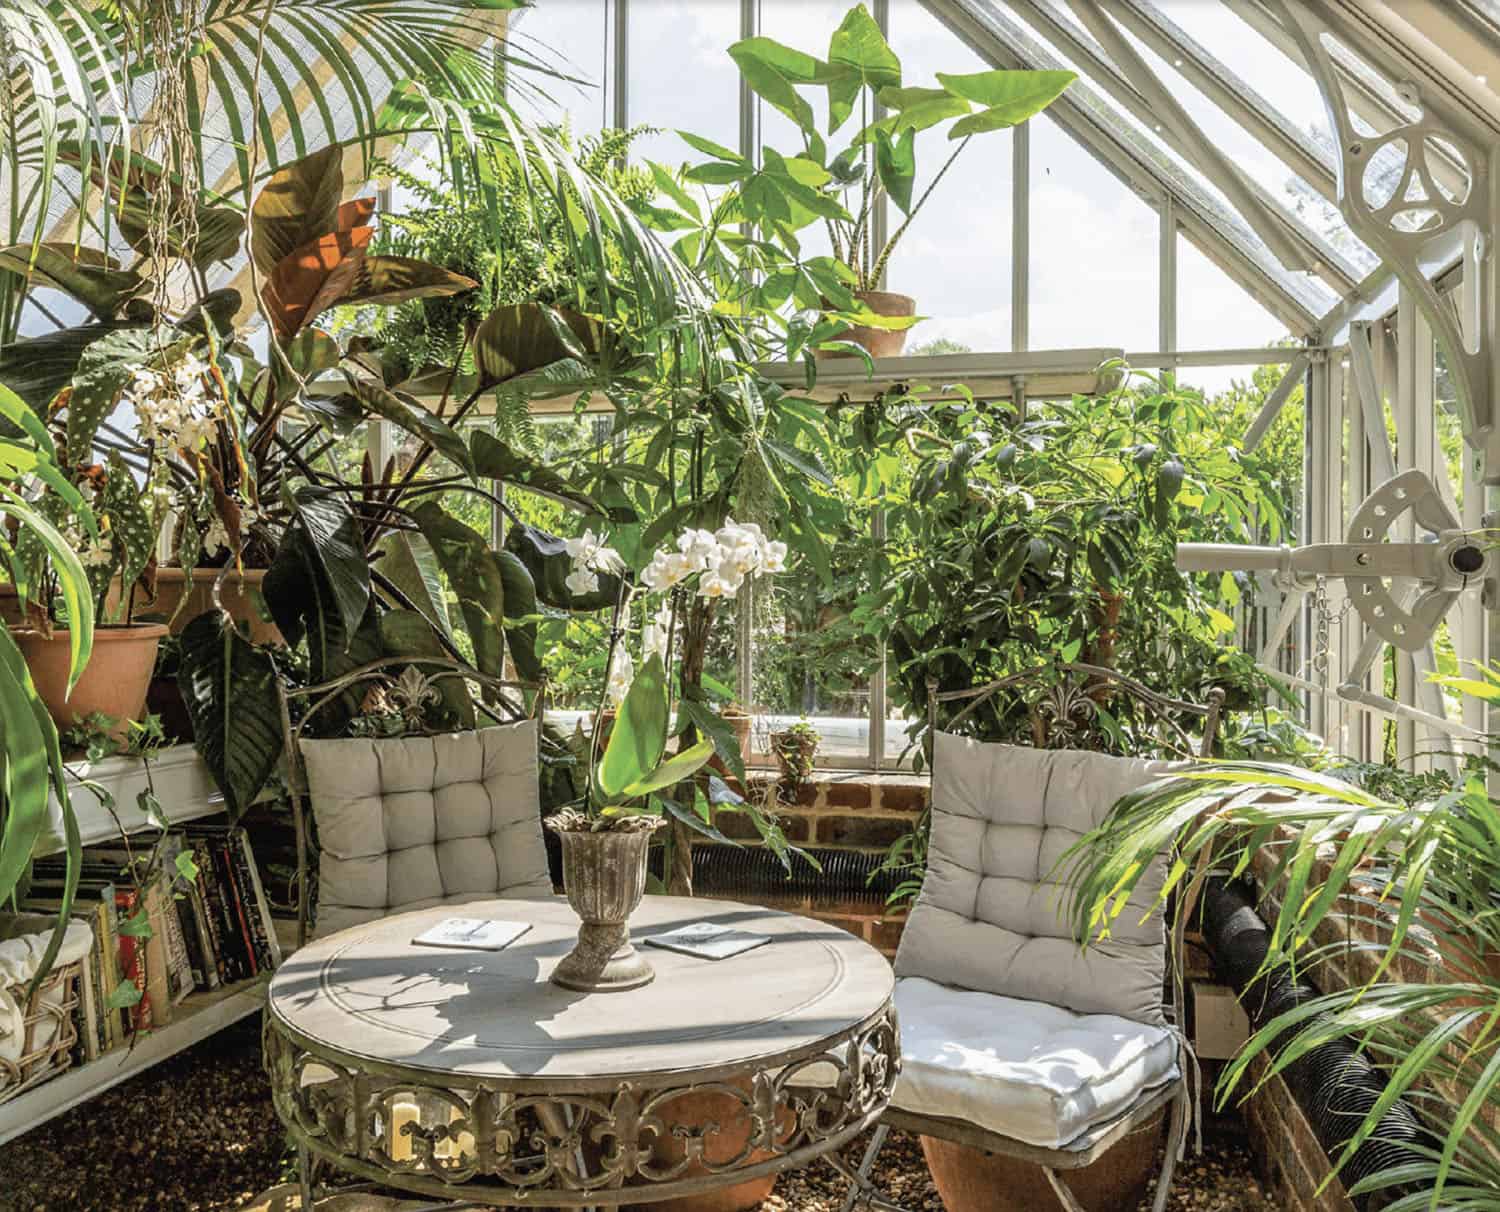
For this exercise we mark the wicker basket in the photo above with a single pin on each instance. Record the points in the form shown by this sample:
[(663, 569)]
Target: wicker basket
[(51, 1026)]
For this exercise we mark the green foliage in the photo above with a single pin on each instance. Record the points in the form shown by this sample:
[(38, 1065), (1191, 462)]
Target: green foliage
[(633, 769)]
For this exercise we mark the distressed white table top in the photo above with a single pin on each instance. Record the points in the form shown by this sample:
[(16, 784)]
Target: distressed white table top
[(368, 994)]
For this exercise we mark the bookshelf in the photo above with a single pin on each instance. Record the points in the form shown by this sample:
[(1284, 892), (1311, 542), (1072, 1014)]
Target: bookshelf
[(187, 793)]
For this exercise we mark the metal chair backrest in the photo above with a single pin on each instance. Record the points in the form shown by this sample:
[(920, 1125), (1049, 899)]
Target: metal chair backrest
[(409, 689)]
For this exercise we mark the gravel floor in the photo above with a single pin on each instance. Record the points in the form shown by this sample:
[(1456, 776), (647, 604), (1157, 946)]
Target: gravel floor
[(197, 1134)]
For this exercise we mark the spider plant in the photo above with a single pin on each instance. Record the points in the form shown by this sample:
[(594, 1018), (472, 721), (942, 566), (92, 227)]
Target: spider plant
[(1423, 1004)]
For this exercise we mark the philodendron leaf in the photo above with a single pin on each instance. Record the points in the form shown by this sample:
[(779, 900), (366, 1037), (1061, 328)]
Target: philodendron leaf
[(314, 277), (298, 203), (858, 56), (407, 561), (229, 686), (546, 559), (520, 603), (919, 108), (386, 280), (493, 459), (407, 413), (520, 337), (639, 735), (475, 577), (773, 71), (1008, 97), (896, 162), (92, 277), (336, 542)]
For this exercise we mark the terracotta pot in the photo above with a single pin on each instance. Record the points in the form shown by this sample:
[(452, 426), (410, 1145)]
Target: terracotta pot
[(731, 1128), (740, 721), (882, 343), (114, 682), (239, 595), (972, 1180), (604, 877)]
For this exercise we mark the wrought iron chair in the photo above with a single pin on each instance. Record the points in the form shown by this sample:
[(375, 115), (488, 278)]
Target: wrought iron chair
[(950, 963), (409, 695)]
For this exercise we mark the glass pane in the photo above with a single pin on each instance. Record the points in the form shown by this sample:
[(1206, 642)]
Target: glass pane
[(681, 75), (1094, 264), (1215, 312), (955, 259), (570, 38)]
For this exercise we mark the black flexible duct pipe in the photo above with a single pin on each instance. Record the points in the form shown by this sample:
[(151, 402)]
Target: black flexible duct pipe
[(1333, 1084)]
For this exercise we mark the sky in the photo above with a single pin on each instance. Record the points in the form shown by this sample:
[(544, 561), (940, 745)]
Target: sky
[(1094, 242)]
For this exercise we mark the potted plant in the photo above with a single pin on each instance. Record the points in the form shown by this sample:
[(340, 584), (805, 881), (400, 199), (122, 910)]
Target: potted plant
[(792, 189), (604, 844), (795, 747), (114, 682)]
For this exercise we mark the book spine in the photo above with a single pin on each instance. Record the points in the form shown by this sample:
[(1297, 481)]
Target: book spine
[(158, 957), (179, 964), (133, 964), (215, 895), (215, 956), (237, 899), (233, 938), (119, 1021), (257, 908)]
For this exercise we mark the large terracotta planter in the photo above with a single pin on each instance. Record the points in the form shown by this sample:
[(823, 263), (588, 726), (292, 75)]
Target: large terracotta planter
[(972, 1180), (882, 343), (238, 594), (114, 682), (604, 877), (731, 1129)]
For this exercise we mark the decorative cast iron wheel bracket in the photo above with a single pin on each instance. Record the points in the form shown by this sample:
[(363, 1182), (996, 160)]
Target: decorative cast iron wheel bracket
[(526, 1142), (1400, 224)]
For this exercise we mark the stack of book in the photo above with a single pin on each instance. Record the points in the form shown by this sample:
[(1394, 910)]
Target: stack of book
[(195, 926)]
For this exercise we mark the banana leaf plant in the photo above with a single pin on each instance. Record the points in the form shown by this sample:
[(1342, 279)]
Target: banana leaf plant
[(1421, 879)]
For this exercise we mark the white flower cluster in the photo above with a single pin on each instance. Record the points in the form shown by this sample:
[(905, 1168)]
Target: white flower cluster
[(173, 408), (216, 537), (590, 557), (724, 558)]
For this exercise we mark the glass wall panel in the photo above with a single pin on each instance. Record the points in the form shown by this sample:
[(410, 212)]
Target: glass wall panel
[(955, 259), (572, 38), (1095, 264), (681, 75), (1215, 312)]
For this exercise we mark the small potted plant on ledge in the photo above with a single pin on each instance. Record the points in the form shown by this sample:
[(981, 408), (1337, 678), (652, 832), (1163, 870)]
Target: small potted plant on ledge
[(795, 749), (605, 843), (793, 189)]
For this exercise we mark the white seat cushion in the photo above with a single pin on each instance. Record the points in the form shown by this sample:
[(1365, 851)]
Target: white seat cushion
[(1026, 1070)]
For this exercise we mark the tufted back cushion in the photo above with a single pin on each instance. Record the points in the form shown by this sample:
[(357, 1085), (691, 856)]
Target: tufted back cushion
[(988, 917), (415, 821)]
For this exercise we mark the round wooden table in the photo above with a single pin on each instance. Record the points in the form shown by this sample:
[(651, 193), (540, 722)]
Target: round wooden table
[(469, 1075)]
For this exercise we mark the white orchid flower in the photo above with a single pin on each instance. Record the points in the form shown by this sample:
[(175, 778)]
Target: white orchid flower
[(581, 581)]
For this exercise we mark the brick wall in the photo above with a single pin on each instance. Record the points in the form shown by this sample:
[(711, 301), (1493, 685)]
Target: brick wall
[(835, 810), (1287, 1151)]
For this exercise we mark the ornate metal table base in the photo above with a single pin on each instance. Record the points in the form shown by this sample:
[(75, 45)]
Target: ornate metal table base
[(484, 1145)]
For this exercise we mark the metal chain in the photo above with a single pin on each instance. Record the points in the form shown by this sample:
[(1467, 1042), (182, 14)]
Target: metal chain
[(1320, 636)]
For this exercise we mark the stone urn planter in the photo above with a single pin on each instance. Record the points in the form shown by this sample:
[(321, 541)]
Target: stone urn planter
[(881, 342), (604, 877), (114, 682)]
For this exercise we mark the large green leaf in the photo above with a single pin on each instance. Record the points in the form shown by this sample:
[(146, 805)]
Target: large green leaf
[(90, 276), (104, 369), (520, 603), (72, 578), (25, 777), (406, 413), (297, 204), (39, 368), (130, 526), (639, 735), (546, 559), (671, 772), (493, 459), (896, 163), (383, 280), (773, 71), (406, 560), (475, 576), (520, 337), (337, 544), (1009, 97), (919, 108), (229, 687), (858, 57)]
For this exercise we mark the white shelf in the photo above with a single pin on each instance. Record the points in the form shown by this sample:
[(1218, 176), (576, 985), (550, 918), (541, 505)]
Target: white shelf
[(198, 1017), (183, 785)]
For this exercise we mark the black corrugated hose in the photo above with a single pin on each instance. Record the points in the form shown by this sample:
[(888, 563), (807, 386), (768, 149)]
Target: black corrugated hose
[(1333, 1084)]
